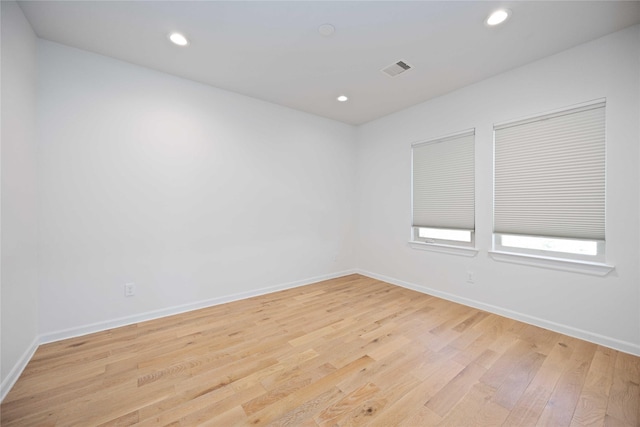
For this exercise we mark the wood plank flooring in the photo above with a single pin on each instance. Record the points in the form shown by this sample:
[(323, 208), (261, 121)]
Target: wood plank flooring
[(348, 351)]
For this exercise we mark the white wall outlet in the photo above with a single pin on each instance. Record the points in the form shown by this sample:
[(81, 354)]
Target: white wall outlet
[(470, 277), (129, 289)]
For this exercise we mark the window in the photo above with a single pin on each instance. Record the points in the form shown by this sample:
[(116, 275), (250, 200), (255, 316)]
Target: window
[(444, 191), (549, 184)]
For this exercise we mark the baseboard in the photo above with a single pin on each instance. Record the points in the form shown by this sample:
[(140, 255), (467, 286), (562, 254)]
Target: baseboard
[(15, 372), (169, 311), (17, 369), (624, 346)]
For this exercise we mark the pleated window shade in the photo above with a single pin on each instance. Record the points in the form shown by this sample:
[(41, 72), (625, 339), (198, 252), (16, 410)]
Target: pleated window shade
[(550, 175), (444, 184)]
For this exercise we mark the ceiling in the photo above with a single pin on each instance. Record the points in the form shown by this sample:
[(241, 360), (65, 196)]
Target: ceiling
[(273, 50)]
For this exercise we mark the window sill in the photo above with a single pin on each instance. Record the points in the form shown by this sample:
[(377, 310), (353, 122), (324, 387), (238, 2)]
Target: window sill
[(564, 264), (447, 249)]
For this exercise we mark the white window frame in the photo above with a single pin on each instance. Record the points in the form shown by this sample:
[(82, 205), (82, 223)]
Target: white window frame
[(456, 247), (442, 241), (599, 256), (559, 260)]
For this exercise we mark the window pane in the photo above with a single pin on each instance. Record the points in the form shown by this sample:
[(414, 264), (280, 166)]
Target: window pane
[(438, 233), (550, 244)]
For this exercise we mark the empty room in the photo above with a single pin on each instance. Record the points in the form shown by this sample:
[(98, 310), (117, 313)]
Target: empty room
[(320, 213)]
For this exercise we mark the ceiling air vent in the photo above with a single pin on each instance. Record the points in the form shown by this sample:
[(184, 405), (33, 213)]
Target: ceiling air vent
[(396, 69)]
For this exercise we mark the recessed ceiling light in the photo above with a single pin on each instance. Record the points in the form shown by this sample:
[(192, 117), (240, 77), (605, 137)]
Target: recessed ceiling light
[(498, 17), (342, 98), (326, 30), (178, 39)]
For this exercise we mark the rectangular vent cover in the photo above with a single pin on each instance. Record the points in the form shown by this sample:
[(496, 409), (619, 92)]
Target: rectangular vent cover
[(396, 69)]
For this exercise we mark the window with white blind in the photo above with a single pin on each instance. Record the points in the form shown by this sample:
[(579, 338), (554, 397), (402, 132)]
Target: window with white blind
[(549, 184), (443, 190)]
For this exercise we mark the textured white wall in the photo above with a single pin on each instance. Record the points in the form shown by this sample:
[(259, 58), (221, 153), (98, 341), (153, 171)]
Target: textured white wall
[(606, 308), (19, 225), (189, 191)]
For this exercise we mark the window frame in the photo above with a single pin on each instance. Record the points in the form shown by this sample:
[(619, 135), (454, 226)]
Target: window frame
[(600, 255), (436, 244), (431, 240), (559, 260)]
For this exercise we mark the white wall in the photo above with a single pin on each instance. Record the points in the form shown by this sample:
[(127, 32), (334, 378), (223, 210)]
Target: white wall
[(19, 226), (605, 309), (193, 193)]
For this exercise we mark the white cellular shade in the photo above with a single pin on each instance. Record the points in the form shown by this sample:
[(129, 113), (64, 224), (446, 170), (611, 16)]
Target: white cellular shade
[(443, 183), (550, 175)]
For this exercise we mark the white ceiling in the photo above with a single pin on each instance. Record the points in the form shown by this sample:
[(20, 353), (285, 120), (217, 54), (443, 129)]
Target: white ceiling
[(273, 51)]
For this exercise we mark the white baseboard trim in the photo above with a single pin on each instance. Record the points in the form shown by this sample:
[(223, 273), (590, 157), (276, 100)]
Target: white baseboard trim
[(17, 369), (169, 311), (624, 346), (15, 372)]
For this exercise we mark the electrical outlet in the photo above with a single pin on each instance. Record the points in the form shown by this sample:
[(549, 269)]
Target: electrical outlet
[(470, 278), (129, 289)]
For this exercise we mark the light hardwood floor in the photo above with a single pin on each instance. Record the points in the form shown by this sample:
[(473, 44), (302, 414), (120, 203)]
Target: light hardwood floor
[(348, 351)]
